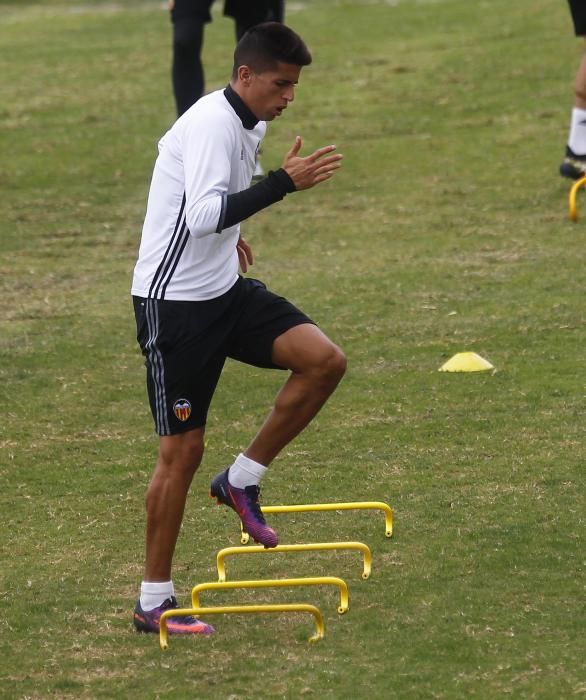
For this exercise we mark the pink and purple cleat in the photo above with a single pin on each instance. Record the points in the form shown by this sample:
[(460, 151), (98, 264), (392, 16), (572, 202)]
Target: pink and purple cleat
[(245, 503), (148, 620)]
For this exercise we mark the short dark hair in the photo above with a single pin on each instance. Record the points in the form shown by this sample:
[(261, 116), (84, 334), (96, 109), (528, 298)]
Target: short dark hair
[(266, 44)]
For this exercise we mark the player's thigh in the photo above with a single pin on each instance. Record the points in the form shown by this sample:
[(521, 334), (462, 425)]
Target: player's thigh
[(263, 316), (305, 347), (184, 358)]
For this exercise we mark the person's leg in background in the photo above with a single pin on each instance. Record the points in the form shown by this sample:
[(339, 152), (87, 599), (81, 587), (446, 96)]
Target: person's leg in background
[(247, 14), (188, 18)]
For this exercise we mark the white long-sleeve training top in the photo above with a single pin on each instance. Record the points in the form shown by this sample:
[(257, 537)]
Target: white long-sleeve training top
[(208, 154)]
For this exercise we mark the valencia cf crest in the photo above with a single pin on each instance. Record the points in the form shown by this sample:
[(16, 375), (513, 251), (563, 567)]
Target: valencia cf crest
[(182, 409)]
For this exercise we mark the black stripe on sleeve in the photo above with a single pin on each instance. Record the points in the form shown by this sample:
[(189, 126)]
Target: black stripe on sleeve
[(222, 215), (164, 264)]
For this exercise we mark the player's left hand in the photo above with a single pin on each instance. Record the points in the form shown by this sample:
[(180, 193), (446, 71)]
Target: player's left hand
[(244, 254), (313, 169)]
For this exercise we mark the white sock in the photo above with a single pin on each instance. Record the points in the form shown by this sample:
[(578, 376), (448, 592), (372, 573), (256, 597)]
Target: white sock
[(245, 472), (154, 593), (577, 138)]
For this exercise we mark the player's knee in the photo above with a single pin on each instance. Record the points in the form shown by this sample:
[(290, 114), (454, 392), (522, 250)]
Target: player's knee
[(332, 366), (338, 364), (182, 453)]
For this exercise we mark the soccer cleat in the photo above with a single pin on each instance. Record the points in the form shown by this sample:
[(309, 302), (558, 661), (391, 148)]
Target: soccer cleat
[(573, 166), (245, 503), (148, 620)]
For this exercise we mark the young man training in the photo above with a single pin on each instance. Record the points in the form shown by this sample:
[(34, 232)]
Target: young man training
[(193, 310)]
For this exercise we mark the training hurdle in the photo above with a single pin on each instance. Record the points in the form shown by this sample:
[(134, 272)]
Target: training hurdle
[(273, 583), (307, 507), (222, 584), (242, 609), (309, 547), (573, 194)]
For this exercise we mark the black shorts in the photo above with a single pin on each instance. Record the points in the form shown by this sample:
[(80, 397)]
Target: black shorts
[(245, 11), (186, 344), (578, 10), (191, 8)]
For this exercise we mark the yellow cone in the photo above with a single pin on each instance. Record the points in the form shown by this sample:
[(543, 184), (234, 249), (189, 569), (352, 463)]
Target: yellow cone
[(466, 362)]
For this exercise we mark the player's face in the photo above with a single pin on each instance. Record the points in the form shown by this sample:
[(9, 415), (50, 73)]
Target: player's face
[(269, 93)]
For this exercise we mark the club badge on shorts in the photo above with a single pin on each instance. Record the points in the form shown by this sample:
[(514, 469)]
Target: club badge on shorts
[(182, 409)]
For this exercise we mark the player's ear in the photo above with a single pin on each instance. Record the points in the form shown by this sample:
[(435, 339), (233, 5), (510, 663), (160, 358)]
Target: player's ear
[(244, 75)]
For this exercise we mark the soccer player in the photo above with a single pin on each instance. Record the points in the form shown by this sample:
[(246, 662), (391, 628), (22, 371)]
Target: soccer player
[(193, 309), (574, 164)]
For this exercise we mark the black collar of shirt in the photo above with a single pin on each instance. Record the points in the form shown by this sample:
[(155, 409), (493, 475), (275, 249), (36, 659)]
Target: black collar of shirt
[(249, 121)]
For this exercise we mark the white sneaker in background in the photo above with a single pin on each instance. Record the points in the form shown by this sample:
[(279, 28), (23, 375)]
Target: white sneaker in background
[(258, 171)]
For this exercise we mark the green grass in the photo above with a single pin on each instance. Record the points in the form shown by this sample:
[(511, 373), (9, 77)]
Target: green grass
[(446, 231)]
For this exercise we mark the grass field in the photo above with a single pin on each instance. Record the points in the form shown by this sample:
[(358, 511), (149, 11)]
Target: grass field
[(446, 231)]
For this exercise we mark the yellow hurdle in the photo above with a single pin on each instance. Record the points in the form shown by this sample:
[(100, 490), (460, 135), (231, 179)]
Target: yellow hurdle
[(244, 609), (272, 583), (310, 547), (305, 507), (573, 194)]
